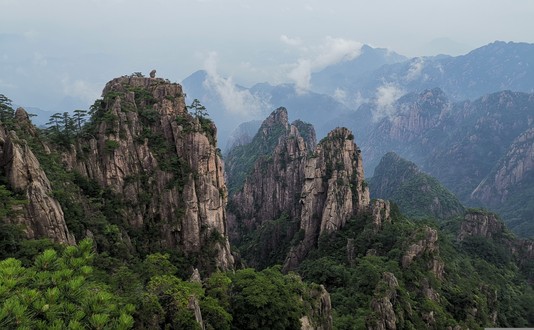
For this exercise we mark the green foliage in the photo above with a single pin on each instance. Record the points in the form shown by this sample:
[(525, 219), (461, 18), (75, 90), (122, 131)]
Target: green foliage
[(158, 264), (198, 109), (265, 300), (7, 114), (166, 303), (269, 244), (111, 145), (64, 128), (57, 291), (479, 275)]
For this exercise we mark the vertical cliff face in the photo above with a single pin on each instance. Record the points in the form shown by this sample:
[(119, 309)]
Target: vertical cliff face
[(384, 317), (277, 175), (41, 216), (425, 242), (333, 191), (161, 161), (320, 315), (281, 176), (481, 224), (513, 171)]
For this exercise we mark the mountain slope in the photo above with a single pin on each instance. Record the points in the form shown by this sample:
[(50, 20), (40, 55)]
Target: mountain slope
[(459, 143), (417, 194)]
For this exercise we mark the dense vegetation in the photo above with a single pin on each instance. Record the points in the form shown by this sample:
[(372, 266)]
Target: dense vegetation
[(481, 282), (417, 194), (64, 288)]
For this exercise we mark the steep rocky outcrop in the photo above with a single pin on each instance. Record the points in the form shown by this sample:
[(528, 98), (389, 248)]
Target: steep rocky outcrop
[(402, 126), (277, 175), (468, 146), (320, 314), (425, 242), (481, 224), (382, 304), (508, 188), (381, 213), (416, 193), (515, 168), (285, 189), (42, 215), (161, 162), (333, 191)]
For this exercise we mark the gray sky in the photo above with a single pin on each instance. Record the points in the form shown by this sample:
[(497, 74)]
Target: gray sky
[(53, 49)]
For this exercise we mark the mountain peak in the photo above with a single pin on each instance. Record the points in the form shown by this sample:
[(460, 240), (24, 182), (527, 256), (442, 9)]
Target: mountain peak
[(278, 116)]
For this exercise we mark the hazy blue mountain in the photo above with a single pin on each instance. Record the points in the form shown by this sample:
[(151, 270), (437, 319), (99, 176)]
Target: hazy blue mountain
[(376, 76), (212, 96), (344, 73), (494, 67), (243, 134)]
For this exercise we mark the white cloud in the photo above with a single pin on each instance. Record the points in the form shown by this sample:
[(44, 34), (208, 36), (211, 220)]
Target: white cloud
[(301, 75), (235, 100), (415, 70), (331, 51), (386, 96)]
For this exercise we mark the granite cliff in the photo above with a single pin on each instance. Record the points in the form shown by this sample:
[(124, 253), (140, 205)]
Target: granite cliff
[(141, 175), (161, 161), (292, 190), (41, 216)]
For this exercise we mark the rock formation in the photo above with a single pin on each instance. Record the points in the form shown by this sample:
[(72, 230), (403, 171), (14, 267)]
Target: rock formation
[(426, 242), (479, 223), (320, 187), (381, 213), (513, 173), (162, 162), (276, 178), (42, 215), (382, 304), (333, 191), (320, 317)]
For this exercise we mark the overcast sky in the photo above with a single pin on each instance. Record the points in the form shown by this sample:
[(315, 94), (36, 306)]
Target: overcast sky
[(53, 49)]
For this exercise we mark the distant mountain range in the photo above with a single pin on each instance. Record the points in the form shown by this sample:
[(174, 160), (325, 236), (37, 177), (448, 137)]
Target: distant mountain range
[(494, 67), (342, 93)]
